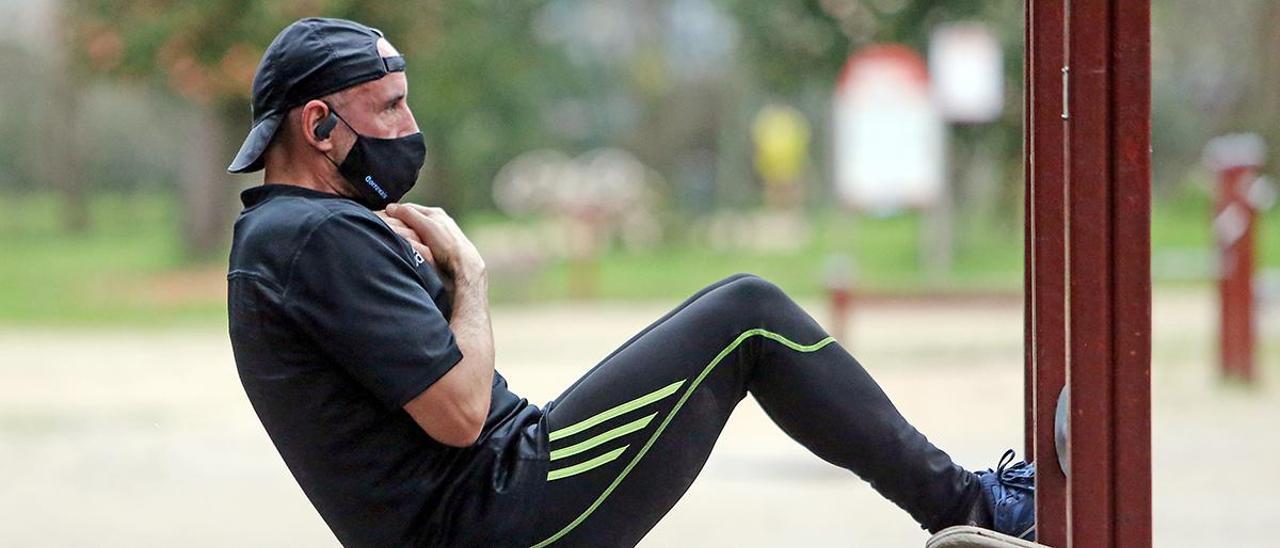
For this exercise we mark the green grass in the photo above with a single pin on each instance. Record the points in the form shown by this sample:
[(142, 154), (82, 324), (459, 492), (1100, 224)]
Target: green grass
[(883, 252), (100, 277), (129, 268)]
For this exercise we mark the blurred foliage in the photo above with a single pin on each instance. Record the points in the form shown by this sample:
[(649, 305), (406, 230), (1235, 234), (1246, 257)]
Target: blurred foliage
[(790, 43), (492, 79), (479, 75), (488, 86)]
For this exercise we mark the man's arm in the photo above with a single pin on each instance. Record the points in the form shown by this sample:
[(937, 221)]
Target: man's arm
[(454, 408)]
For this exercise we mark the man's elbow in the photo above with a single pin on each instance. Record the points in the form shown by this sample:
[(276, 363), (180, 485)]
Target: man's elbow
[(452, 411), (458, 424), (463, 432), (459, 440)]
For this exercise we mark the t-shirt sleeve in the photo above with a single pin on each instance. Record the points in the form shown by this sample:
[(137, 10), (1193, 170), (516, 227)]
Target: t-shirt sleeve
[(353, 291)]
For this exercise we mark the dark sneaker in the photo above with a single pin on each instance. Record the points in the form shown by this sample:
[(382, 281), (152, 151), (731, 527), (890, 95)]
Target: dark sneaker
[(1010, 496)]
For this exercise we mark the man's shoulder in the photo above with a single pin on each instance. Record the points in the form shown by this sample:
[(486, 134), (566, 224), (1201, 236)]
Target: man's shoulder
[(297, 212), (269, 236)]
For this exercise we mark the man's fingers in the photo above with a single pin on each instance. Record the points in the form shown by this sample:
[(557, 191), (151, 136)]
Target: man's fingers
[(400, 228), (408, 234), (412, 237), (431, 231), (410, 216), (436, 214), (424, 251), (427, 210)]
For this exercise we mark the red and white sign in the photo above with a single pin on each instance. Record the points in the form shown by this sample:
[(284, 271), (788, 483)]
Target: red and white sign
[(967, 68), (889, 136)]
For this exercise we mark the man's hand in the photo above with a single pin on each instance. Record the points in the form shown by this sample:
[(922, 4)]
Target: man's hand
[(453, 411), (409, 235), (450, 249)]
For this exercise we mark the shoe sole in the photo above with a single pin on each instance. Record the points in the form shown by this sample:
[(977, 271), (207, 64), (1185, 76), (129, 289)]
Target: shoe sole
[(965, 536)]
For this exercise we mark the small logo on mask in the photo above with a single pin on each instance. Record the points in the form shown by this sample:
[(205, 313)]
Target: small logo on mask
[(374, 185), (417, 258)]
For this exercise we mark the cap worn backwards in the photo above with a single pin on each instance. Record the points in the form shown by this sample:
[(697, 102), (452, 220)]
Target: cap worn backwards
[(309, 59)]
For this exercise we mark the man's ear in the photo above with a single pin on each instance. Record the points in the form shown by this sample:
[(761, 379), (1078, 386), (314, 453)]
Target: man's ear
[(318, 121)]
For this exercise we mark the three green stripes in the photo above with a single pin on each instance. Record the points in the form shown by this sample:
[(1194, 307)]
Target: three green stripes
[(639, 424)]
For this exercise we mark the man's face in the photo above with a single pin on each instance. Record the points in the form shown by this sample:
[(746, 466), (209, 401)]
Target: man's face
[(377, 108)]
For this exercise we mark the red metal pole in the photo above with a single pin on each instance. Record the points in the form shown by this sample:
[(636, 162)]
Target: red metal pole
[(1234, 221), (1028, 288), (1130, 53), (840, 299), (1090, 300), (1109, 282), (1089, 288), (1046, 258), (839, 282)]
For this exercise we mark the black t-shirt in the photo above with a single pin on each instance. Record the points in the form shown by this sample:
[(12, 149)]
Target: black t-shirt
[(336, 323)]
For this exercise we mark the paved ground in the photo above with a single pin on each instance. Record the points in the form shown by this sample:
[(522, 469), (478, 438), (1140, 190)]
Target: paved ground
[(114, 438)]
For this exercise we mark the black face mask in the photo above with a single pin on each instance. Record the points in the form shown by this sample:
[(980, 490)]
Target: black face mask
[(382, 170)]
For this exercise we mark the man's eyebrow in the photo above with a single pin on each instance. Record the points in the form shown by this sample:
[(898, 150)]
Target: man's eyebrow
[(396, 99)]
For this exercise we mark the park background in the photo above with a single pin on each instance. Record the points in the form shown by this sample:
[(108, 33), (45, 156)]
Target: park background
[(122, 421)]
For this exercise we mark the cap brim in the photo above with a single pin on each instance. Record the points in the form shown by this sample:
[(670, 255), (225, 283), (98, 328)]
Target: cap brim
[(249, 159)]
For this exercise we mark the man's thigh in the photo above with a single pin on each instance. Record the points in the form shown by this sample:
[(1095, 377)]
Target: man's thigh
[(629, 438)]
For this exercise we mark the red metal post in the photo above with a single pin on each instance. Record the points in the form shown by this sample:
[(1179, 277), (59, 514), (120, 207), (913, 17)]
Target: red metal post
[(1028, 327), (1130, 142), (1090, 299), (840, 299), (839, 281), (1234, 221), (1046, 259)]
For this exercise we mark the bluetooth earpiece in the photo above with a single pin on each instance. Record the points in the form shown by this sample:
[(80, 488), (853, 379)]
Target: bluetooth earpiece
[(326, 127)]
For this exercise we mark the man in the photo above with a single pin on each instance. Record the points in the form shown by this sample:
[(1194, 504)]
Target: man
[(362, 337)]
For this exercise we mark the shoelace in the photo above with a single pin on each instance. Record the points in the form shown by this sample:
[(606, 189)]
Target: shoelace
[(1020, 475)]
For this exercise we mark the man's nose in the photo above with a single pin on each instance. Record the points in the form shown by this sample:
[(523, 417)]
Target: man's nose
[(412, 125)]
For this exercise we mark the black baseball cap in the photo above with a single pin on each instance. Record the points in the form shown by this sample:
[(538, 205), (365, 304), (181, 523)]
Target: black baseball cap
[(309, 59)]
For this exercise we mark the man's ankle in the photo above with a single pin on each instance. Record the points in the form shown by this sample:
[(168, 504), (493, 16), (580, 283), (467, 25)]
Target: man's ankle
[(979, 513)]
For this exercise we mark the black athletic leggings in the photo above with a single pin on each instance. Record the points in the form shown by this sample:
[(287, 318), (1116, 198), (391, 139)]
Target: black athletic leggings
[(630, 436)]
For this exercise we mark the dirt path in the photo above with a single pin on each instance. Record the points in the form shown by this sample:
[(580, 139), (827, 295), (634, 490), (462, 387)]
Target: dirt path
[(114, 438)]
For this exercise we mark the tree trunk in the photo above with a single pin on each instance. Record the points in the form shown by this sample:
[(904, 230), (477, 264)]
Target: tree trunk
[(61, 160), (208, 192)]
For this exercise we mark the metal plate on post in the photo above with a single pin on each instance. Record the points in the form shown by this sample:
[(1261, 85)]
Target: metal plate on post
[(1062, 431)]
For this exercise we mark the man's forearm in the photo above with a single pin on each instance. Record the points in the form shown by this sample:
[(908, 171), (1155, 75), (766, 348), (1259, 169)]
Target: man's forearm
[(473, 332)]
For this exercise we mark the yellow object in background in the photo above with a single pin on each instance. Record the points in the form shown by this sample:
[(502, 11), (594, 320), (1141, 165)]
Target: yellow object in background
[(781, 136)]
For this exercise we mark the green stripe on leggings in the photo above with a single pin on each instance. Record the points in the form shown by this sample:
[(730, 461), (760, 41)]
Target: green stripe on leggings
[(623, 430), (632, 405), (663, 425), (586, 465)]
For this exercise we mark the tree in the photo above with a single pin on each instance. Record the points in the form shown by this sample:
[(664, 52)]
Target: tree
[(477, 79), (205, 52)]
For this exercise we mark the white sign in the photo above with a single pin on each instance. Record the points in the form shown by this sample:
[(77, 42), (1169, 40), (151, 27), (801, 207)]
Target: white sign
[(889, 137), (967, 68)]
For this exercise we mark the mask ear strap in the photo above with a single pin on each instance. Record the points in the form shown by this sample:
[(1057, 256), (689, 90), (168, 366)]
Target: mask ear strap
[(325, 128)]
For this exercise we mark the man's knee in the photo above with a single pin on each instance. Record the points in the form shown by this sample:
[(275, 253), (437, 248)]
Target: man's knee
[(730, 279), (754, 290)]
